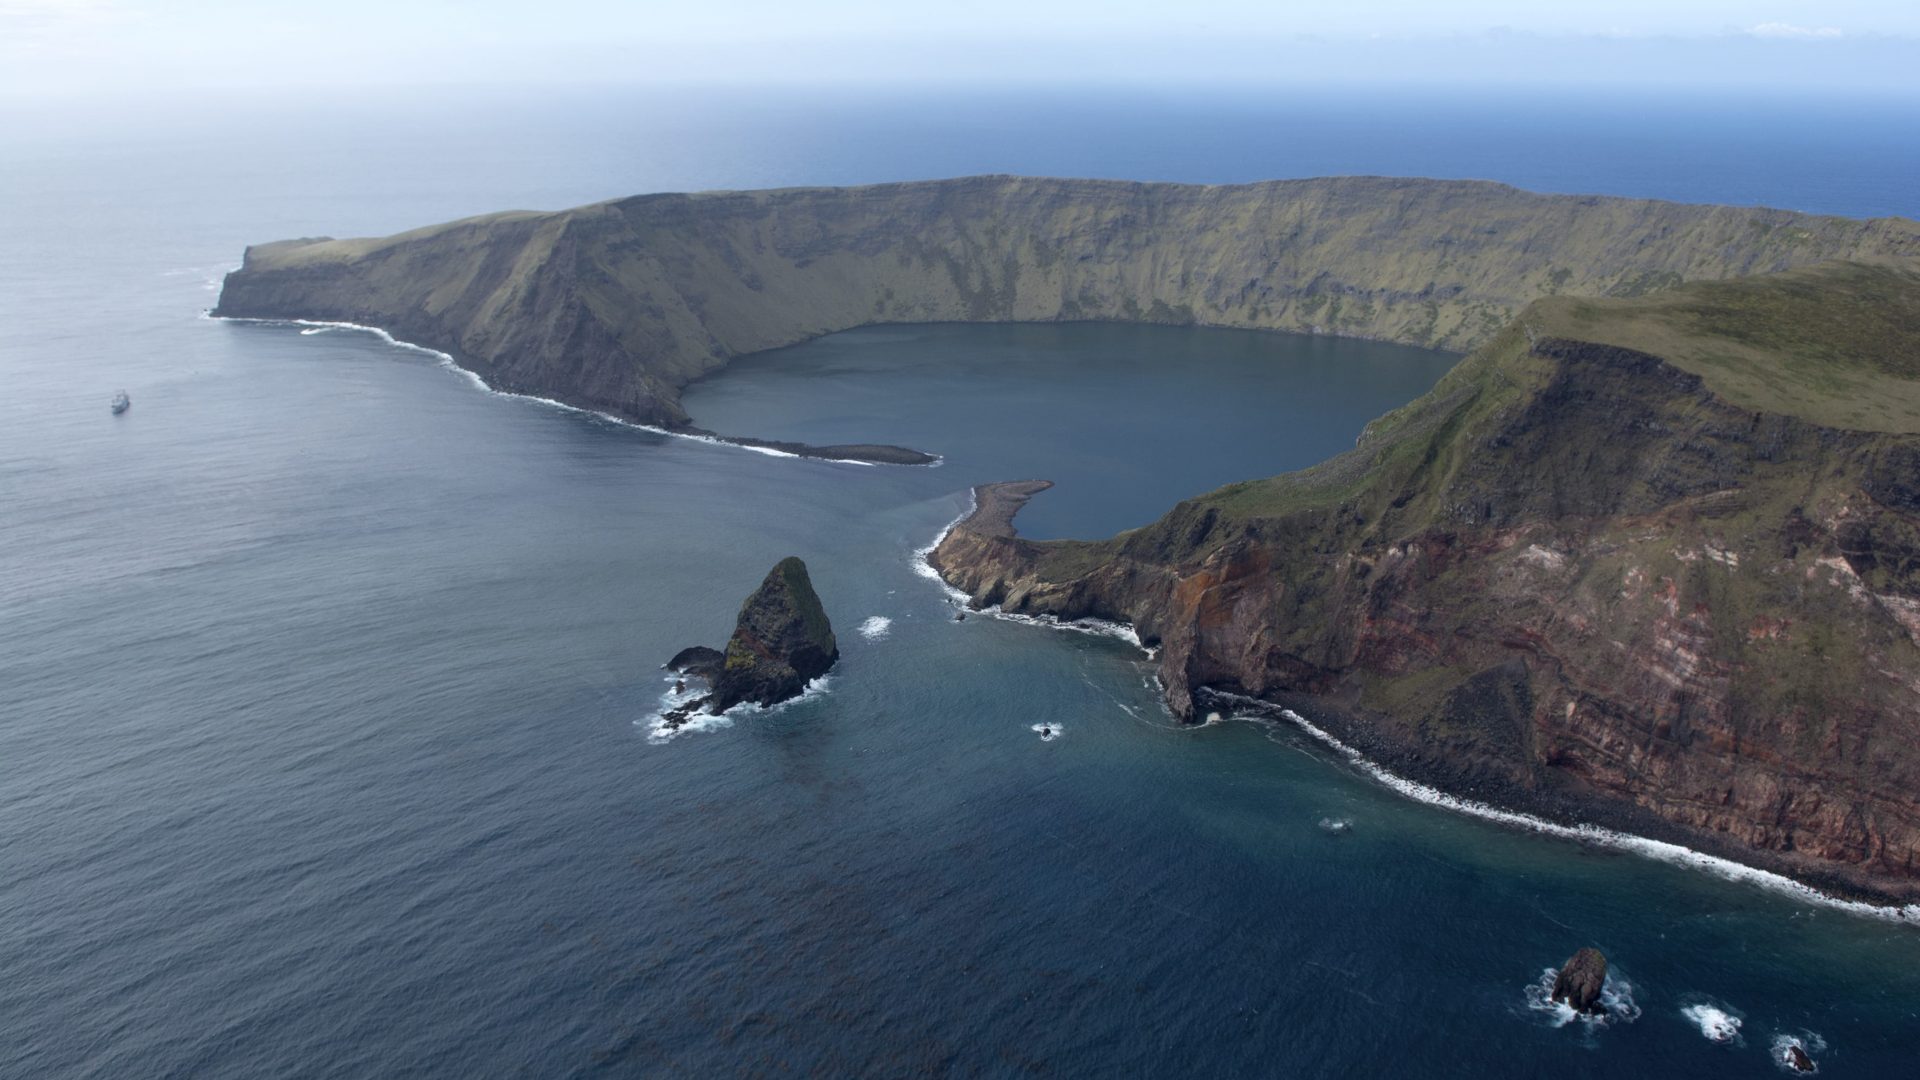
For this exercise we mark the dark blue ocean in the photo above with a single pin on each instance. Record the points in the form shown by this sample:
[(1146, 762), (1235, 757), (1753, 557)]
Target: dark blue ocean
[(325, 676)]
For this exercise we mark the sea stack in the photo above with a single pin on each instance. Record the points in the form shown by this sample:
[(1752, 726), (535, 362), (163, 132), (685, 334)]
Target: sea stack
[(1580, 981), (781, 642)]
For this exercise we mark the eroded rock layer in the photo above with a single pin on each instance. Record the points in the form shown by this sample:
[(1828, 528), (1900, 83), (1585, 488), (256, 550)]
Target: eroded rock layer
[(1577, 579)]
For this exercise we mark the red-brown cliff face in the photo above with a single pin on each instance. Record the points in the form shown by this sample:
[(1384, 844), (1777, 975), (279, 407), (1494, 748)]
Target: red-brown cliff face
[(1575, 579)]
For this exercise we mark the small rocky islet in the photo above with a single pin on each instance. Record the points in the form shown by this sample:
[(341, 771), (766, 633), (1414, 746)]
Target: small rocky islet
[(781, 641), (1580, 981)]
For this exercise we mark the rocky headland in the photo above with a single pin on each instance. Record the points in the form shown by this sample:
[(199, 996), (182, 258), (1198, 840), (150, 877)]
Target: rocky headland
[(781, 641), (1651, 563)]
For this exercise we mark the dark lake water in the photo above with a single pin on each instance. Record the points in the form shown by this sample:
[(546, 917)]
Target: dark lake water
[(1126, 420), (324, 676)]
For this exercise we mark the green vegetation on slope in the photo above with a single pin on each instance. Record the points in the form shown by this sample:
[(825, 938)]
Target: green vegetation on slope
[(1833, 344), (618, 305), (1650, 560)]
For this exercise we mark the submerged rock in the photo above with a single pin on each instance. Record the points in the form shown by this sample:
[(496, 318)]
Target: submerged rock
[(781, 642), (676, 718), (1580, 981)]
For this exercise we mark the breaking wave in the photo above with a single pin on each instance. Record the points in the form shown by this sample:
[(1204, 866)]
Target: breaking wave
[(1717, 1024), (1616, 1002), (1659, 850), (1096, 627), (876, 627), (316, 326), (1807, 1042), (656, 722)]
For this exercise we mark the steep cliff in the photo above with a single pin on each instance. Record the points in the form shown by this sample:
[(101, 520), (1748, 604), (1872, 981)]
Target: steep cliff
[(781, 642), (1652, 561), (617, 306)]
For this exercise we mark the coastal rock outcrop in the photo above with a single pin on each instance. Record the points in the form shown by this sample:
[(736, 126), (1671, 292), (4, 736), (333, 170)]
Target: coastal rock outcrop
[(1580, 981), (1652, 564), (781, 642), (698, 661)]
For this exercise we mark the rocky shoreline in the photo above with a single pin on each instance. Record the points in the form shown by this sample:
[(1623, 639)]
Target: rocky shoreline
[(989, 526), (1565, 805), (1574, 582), (864, 453)]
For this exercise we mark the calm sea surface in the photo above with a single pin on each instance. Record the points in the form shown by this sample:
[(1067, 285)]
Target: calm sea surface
[(324, 675)]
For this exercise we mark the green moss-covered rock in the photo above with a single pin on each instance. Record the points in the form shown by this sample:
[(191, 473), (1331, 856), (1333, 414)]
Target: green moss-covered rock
[(781, 642)]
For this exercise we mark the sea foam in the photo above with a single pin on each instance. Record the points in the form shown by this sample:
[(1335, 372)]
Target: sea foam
[(1716, 1023), (316, 326), (1808, 1042), (1659, 850), (876, 627), (656, 723), (1616, 1002), (1096, 627)]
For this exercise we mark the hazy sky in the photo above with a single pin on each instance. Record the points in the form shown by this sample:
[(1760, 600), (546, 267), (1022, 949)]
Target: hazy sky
[(67, 46)]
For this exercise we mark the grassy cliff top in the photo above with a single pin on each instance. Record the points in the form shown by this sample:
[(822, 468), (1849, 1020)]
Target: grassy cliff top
[(1836, 344)]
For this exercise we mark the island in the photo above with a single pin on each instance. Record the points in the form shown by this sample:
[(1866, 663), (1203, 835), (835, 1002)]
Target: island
[(1648, 557), (782, 641)]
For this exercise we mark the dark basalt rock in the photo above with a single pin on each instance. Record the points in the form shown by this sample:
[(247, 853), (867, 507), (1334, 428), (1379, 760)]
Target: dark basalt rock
[(674, 719), (781, 642), (699, 661), (1580, 981), (1795, 1057)]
